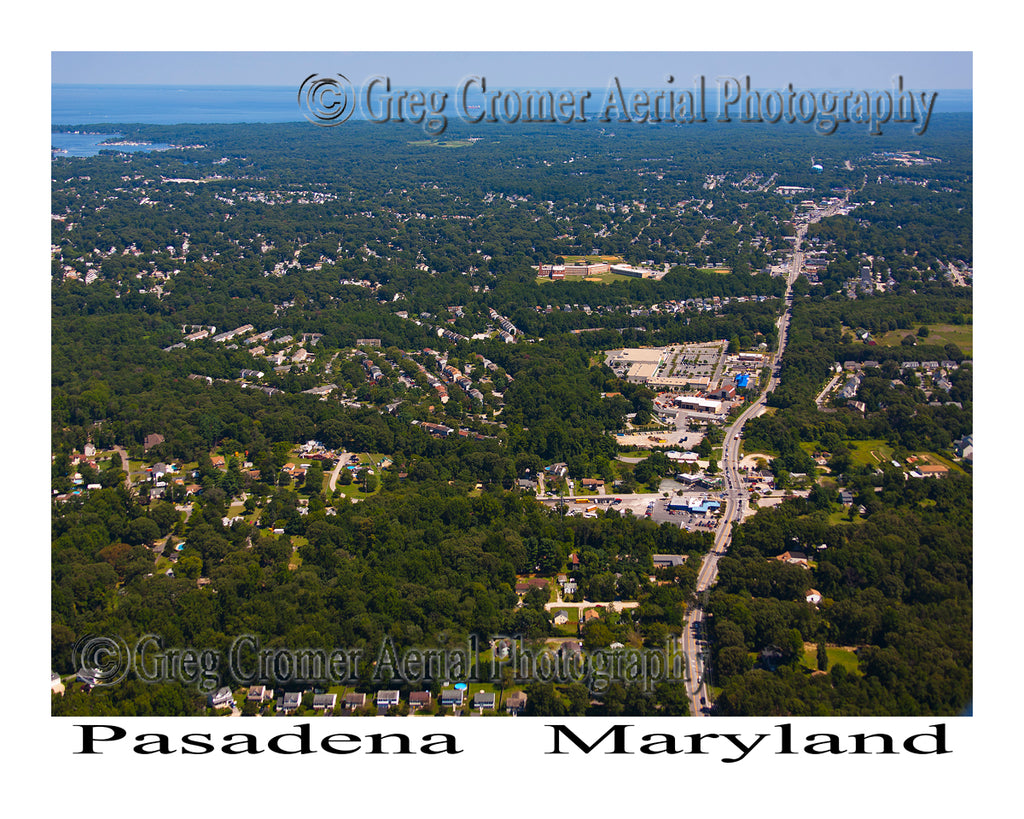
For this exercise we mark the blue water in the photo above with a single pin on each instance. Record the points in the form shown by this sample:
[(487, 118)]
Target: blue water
[(90, 144), (170, 104)]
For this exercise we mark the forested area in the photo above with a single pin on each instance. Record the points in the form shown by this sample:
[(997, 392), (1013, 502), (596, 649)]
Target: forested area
[(895, 577), (897, 587)]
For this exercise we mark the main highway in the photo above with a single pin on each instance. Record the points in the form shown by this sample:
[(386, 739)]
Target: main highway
[(694, 643)]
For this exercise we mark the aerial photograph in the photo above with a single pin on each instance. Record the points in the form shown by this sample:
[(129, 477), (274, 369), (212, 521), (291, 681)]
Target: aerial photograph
[(511, 384)]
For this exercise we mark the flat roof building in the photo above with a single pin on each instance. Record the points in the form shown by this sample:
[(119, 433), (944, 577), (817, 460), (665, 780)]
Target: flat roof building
[(642, 371)]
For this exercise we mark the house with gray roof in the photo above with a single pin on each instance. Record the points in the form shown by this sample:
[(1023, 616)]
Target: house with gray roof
[(452, 696)]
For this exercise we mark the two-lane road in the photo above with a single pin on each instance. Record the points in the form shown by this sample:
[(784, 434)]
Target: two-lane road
[(694, 643)]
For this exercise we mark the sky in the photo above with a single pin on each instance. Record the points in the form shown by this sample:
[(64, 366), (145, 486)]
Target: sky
[(843, 69)]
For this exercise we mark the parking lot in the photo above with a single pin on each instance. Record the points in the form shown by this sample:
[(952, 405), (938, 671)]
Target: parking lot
[(660, 513)]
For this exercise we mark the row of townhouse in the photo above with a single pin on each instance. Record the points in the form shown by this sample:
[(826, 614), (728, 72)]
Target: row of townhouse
[(290, 701)]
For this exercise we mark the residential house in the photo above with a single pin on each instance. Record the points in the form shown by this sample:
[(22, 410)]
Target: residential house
[(484, 700), (258, 693), (964, 448), (570, 648), (419, 699), (324, 702), (353, 701), (516, 703), (89, 676), (523, 586), (221, 698), (387, 698), (452, 697)]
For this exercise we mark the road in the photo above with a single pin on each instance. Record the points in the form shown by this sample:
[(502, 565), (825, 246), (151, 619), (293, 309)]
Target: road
[(342, 460), (828, 388), (695, 646), (124, 466)]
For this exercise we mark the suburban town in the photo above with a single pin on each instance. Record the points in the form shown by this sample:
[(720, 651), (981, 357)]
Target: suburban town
[(653, 446)]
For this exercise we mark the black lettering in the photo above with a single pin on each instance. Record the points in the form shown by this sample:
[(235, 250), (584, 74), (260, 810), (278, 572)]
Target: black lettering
[(377, 743), (327, 743), (695, 741), (274, 743), (787, 739), (860, 744), (940, 741), (89, 738), (162, 745), (666, 740), (249, 743), (618, 730), (832, 742), (449, 744), (189, 741), (735, 740)]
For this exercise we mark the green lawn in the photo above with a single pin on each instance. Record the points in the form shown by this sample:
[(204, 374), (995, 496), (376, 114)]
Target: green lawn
[(840, 516), (836, 656), (295, 560), (870, 453), (962, 335), (597, 278), (592, 259)]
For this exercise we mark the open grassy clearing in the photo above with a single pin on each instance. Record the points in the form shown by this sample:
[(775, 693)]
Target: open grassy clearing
[(962, 335), (846, 657)]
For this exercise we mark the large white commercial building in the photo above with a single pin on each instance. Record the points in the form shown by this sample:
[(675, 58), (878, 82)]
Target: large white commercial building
[(693, 404)]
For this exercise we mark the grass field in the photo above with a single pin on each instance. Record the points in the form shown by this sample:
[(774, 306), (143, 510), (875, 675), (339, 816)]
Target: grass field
[(592, 259), (845, 657), (599, 278), (839, 517), (962, 335), (871, 452), (875, 452)]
